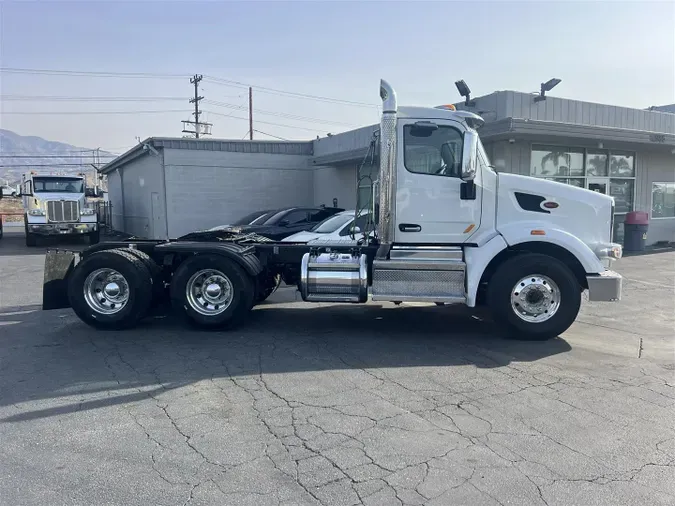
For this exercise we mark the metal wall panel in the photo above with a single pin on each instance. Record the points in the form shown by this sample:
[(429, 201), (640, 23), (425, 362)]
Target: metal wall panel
[(504, 104), (210, 188), (140, 178)]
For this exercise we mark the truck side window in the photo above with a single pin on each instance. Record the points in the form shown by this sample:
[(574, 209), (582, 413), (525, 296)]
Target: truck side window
[(434, 152)]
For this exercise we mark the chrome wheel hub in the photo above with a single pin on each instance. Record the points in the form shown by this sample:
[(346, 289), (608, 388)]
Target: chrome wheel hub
[(209, 292), (535, 298), (106, 291)]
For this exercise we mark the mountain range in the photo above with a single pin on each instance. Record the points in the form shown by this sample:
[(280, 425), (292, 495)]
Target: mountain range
[(21, 153)]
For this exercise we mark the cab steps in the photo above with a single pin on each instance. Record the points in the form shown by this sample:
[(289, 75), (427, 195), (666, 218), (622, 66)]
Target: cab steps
[(420, 274)]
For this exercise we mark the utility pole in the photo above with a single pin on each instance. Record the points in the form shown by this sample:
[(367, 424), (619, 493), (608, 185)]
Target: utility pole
[(206, 130), (250, 113)]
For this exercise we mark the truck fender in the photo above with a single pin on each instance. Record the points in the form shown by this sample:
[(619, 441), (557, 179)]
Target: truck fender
[(242, 255), (58, 266), (477, 260), (521, 232)]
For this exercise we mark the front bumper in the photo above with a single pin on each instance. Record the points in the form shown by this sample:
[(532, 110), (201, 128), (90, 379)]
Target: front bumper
[(62, 228), (605, 286)]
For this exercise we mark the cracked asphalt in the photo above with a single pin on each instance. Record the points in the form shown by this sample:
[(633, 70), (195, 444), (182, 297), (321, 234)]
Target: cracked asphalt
[(338, 405)]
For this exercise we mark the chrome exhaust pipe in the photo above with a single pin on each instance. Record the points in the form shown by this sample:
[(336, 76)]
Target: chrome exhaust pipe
[(387, 180)]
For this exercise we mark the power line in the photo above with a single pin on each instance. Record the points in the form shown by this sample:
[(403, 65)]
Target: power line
[(212, 79), (266, 122), (278, 114), (53, 98), (96, 112), (264, 89), (29, 165), (78, 73), (2, 155), (270, 135)]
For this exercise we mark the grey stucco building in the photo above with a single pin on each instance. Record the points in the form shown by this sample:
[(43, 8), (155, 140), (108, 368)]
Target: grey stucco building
[(166, 187)]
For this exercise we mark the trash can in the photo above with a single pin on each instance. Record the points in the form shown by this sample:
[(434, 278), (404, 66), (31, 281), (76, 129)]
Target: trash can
[(635, 231)]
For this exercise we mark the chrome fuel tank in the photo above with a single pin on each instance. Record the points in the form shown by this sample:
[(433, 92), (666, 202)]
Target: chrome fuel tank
[(334, 277)]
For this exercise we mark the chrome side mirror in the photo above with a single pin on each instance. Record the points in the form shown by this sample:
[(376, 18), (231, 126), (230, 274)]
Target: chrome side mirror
[(469, 155)]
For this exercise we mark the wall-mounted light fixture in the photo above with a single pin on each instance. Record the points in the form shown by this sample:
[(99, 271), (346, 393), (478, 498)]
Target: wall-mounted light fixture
[(547, 86), (465, 92)]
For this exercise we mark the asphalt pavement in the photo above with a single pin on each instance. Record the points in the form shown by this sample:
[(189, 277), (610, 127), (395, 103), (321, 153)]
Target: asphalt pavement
[(338, 404)]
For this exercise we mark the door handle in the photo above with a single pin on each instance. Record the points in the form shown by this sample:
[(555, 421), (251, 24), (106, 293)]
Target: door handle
[(409, 227)]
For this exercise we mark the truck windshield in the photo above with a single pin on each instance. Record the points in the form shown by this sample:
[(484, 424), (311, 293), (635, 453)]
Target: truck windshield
[(58, 185), (333, 223)]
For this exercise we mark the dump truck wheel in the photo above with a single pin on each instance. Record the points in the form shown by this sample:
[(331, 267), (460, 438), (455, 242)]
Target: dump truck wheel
[(536, 296), (110, 289), (212, 291)]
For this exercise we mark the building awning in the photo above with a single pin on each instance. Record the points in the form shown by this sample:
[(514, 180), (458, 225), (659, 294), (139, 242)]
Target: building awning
[(508, 127)]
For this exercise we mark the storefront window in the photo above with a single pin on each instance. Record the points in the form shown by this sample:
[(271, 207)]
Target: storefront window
[(622, 191), (621, 164), (596, 163), (552, 161), (600, 170), (663, 200)]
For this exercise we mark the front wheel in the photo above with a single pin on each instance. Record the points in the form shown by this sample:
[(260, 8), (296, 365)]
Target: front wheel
[(212, 291), (536, 296)]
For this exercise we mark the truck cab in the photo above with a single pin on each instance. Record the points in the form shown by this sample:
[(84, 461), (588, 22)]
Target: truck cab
[(55, 204)]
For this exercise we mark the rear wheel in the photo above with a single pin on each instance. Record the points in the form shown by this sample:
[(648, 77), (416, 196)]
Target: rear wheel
[(212, 291), (158, 290), (536, 296), (110, 289)]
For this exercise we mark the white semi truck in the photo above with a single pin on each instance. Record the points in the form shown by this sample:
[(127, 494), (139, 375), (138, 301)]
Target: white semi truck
[(449, 230), (55, 204)]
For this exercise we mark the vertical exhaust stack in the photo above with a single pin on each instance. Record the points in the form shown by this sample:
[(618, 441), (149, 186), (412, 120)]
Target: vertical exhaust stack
[(386, 220)]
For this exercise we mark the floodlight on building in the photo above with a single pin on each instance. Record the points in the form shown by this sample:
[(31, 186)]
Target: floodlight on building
[(547, 86), (464, 90)]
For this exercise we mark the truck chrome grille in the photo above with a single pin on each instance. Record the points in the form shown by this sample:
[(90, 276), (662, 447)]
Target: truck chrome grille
[(60, 211)]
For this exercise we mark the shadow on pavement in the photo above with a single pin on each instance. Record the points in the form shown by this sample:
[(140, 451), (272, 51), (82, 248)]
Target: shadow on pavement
[(49, 355)]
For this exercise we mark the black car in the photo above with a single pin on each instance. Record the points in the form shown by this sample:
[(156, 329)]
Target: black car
[(281, 223), (249, 219)]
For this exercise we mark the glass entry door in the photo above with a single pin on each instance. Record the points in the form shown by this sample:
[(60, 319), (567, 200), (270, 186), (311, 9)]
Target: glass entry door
[(599, 184)]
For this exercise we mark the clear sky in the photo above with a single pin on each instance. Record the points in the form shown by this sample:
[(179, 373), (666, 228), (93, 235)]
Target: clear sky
[(621, 53)]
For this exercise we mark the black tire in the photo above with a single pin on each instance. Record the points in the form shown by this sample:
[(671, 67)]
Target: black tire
[(31, 240), (140, 289), (155, 273), (519, 267), (94, 237), (242, 287)]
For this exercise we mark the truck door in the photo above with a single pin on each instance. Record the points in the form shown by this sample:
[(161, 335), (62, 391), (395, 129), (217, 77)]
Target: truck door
[(429, 207)]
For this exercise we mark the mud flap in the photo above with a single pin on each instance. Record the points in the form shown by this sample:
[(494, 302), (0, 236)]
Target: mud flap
[(58, 265)]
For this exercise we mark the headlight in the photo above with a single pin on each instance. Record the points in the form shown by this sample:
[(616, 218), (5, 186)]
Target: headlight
[(36, 212), (87, 212), (613, 251)]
